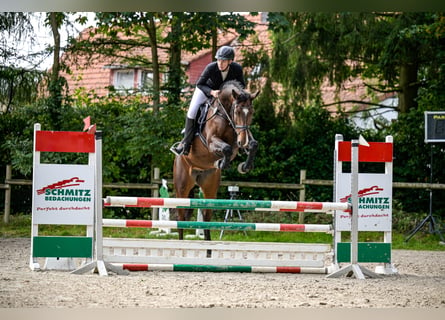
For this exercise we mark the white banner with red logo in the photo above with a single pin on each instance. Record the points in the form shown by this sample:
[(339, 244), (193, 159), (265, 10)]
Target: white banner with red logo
[(63, 194), (374, 202)]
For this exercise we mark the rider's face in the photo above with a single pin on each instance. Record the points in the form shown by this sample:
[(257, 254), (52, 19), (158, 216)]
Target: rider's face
[(223, 64)]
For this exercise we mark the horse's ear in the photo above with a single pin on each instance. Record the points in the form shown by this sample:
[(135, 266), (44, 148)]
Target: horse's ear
[(254, 95), (235, 94)]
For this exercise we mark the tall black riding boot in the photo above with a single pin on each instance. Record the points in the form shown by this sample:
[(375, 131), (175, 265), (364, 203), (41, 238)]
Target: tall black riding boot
[(186, 143)]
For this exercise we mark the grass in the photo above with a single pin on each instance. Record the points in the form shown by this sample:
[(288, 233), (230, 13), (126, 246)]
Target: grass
[(20, 227)]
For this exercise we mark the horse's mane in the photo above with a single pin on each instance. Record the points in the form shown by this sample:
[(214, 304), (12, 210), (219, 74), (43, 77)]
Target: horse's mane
[(234, 83), (243, 95)]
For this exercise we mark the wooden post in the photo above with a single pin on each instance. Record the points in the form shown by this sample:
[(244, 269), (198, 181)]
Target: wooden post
[(302, 194), (7, 194), (155, 193)]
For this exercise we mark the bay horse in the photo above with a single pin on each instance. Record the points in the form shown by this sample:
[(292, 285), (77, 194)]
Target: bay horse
[(226, 131)]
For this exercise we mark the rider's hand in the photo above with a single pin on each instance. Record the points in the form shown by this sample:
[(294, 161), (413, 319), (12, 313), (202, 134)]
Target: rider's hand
[(214, 93)]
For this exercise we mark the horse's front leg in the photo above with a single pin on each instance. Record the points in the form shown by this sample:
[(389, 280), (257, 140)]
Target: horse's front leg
[(246, 166), (222, 150)]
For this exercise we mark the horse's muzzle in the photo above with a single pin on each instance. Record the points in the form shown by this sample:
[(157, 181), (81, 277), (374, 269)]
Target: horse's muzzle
[(243, 139)]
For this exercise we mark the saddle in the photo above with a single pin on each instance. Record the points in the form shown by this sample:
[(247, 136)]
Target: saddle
[(202, 116)]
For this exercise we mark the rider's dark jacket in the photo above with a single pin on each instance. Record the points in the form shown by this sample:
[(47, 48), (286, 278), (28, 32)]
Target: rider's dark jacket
[(211, 79)]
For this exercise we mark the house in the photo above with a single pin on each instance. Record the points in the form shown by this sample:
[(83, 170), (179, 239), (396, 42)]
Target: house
[(104, 75), (356, 99), (100, 75)]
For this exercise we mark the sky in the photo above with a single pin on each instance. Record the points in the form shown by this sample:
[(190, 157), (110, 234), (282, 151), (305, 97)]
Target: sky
[(44, 38)]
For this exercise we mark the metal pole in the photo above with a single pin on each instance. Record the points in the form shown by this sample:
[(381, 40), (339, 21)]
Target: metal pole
[(354, 202)]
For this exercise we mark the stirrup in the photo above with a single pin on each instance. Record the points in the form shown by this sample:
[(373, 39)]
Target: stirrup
[(174, 148)]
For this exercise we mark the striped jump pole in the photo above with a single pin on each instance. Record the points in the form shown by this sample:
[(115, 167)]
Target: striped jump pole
[(210, 268), (122, 223), (223, 204)]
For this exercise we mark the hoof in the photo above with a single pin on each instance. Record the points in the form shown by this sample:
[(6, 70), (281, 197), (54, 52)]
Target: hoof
[(241, 168), (221, 164)]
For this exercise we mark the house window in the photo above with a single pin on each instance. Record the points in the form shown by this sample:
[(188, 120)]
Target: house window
[(145, 81), (132, 80), (123, 80)]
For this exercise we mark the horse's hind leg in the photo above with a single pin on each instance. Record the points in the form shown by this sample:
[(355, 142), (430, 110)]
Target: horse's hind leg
[(209, 184), (184, 184)]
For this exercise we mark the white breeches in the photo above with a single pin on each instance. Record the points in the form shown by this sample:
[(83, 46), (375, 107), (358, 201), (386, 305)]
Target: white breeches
[(198, 98)]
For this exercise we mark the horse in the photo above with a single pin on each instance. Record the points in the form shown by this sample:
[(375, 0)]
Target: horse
[(225, 131)]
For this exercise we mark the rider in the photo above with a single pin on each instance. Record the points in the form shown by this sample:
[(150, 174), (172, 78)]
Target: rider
[(207, 86)]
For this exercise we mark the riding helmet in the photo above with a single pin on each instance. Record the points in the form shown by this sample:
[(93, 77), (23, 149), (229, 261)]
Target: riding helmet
[(225, 53)]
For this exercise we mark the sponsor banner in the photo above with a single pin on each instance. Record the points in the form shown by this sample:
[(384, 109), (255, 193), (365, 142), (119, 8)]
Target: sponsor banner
[(374, 202), (63, 194)]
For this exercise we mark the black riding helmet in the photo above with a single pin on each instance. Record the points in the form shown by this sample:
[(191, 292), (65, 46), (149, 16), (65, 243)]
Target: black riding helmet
[(225, 53)]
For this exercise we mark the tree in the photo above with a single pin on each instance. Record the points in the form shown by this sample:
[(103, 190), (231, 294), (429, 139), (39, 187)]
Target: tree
[(18, 78), (119, 34), (56, 83), (392, 52)]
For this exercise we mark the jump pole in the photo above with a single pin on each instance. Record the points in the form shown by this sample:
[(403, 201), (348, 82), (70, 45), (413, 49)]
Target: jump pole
[(216, 204), (240, 226), (191, 256), (358, 271), (210, 268), (103, 267), (125, 261)]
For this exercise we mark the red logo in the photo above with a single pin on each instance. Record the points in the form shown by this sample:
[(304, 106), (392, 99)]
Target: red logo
[(75, 181), (364, 192)]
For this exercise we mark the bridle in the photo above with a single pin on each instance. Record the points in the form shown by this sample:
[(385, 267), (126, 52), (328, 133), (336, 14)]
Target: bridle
[(223, 113), (220, 111)]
